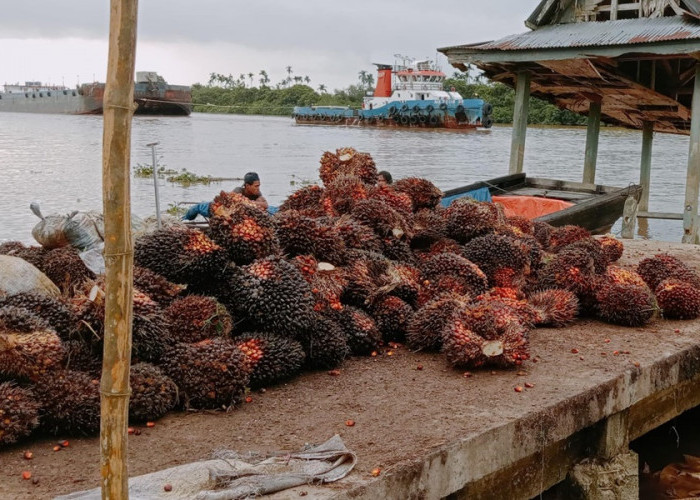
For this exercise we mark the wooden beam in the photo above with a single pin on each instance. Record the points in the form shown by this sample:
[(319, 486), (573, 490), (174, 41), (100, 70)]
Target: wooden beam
[(592, 136), (613, 10), (692, 183), (520, 113), (645, 169), (118, 249)]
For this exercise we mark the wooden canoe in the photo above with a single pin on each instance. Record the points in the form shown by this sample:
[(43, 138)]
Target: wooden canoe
[(594, 207)]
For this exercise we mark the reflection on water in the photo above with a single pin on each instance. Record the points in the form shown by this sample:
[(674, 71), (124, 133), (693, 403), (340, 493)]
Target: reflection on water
[(57, 160)]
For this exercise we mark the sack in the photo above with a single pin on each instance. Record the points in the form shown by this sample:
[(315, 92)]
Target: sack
[(51, 231), (85, 230), (18, 276)]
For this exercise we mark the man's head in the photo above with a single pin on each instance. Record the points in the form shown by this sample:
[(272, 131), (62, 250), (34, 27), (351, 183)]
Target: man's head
[(384, 178), (251, 183)]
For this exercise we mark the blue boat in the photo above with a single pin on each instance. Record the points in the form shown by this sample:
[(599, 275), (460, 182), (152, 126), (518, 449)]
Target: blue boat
[(407, 95)]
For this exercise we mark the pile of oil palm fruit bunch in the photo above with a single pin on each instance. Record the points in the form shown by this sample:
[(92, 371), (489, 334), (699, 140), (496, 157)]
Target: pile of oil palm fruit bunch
[(343, 268)]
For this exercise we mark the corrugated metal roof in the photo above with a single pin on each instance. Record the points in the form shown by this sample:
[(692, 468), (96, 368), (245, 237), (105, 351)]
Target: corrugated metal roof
[(591, 34)]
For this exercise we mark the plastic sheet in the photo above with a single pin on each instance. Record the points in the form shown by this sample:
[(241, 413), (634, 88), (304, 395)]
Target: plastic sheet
[(530, 206)]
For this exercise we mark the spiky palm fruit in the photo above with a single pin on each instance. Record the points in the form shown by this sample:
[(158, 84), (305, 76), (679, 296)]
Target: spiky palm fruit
[(33, 254), (423, 193), (398, 250), (663, 266), (566, 235), (522, 224), (343, 193), (81, 357), (554, 307), (384, 220), (543, 233), (625, 304), (612, 247), (66, 269), (490, 315), (347, 161), (306, 200), (392, 316), (443, 245), (156, 286), (327, 287), (212, 373), (569, 270), (181, 255), (465, 348), (593, 248), (272, 294), (456, 266), (361, 332), (424, 332), (229, 200), (56, 312), (429, 227), (153, 394), (678, 299), (272, 358), (245, 231), (196, 317), (617, 274), (324, 343), (493, 252), (442, 286), (301, 235), (307, 266), (357, 235), (362, 275), (19, 413), (399, 201), (467, 219), (400, 280), (21, 320), (70, 402), (28, 356)]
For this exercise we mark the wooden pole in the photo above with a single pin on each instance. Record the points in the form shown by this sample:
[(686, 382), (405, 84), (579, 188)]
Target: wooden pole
[(592, 136), (645, 170), (692, 183), (118, 106), (522, 103), (613, 10)]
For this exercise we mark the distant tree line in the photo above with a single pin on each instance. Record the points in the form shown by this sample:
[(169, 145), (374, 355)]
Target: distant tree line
[(253, 94)]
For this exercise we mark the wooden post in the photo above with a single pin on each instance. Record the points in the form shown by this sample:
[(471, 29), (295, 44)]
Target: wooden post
[(118, 106), (522, 105), (613, 10), (645, 170), (592, 136), (692, 183)]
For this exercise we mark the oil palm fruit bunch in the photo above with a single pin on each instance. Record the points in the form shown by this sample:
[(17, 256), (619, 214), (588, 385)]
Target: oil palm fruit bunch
[(554, 307), (612, 247), (195, 317), (594, 248), (212, 373), (678, 299), (82, 357), (66, 269), (392, 316), (307, 266), (357, 235), (443, 245), (466, 219), (19, 413), (570, 270), (398, 250), (181, 255), (273, 295), (490, 314), (384, 220), (522, 225), (398, 200), (347, 161), (543, 233), (429, 226), (57, 313), (272, 358), (306, 200), (563, 236), (156, 286), (456, 266), (152, 393), (33, 254), (494, 253), (402, 281), (70, 402), (324, 343), (327, 287), (342, 193), (423, 193), (28, 347), (245, 231), (625, 304), (618, 274), (424, 332), (362, 274), (302, 235), (361, 332), (663, 266)]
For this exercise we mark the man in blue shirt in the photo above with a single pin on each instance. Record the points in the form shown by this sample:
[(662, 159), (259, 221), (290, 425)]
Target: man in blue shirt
[(250, 189)]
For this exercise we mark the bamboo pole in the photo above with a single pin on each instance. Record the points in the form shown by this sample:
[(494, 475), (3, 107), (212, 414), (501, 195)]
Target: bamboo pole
[(118, 106), (520, 112)]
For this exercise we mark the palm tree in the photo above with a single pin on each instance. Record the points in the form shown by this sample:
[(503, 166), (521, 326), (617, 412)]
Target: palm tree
[(289, 75), (307, 79), (322, 88), (264, 79), (250, 77)]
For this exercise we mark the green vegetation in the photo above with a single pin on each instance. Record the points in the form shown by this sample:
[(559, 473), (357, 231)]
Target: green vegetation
[(142, 171), (224, 94), (184, 177)]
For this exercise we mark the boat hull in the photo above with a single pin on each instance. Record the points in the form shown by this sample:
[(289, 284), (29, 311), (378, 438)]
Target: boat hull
[(381, 122)]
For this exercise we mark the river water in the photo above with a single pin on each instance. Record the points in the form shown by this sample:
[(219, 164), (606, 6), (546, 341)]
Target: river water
[(57, 160)]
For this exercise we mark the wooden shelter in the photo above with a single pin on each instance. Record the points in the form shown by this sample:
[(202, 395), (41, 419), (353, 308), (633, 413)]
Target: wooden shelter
[(632, 63)]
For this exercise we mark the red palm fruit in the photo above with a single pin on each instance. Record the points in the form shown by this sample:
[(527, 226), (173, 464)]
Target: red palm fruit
[(153, 394), (384, 220), (570, 270), (362, 275), (347, 161), (678, 299), (194, 318), (543, 233), (444, 285), (661, 267), (617, 274), (306, 200), (398, 250), (443, 245), (400, 280), (424, 332), (272, 358), (357, 235), (566, 235), (156, 286), (81, 357), (399, 201), (429, 227), (593, 248), (70, 402), (612, 247), (324, 343), (522, 224), (466, 219), (450, 264), (625, 304), (307, 266), (28, 356), (66, 269), (554, 307), (212, 373), (343, 193), (19, 412), (302, 235), (361, 332), (392, 316), (493, 252), (327, 287), (423, 193), (56, 312), (488, 316)]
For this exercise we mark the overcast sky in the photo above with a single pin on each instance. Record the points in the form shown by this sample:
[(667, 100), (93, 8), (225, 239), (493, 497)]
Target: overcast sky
[(186, 40)]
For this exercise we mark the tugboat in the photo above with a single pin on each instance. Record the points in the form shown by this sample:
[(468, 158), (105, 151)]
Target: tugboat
[(406, 95)]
